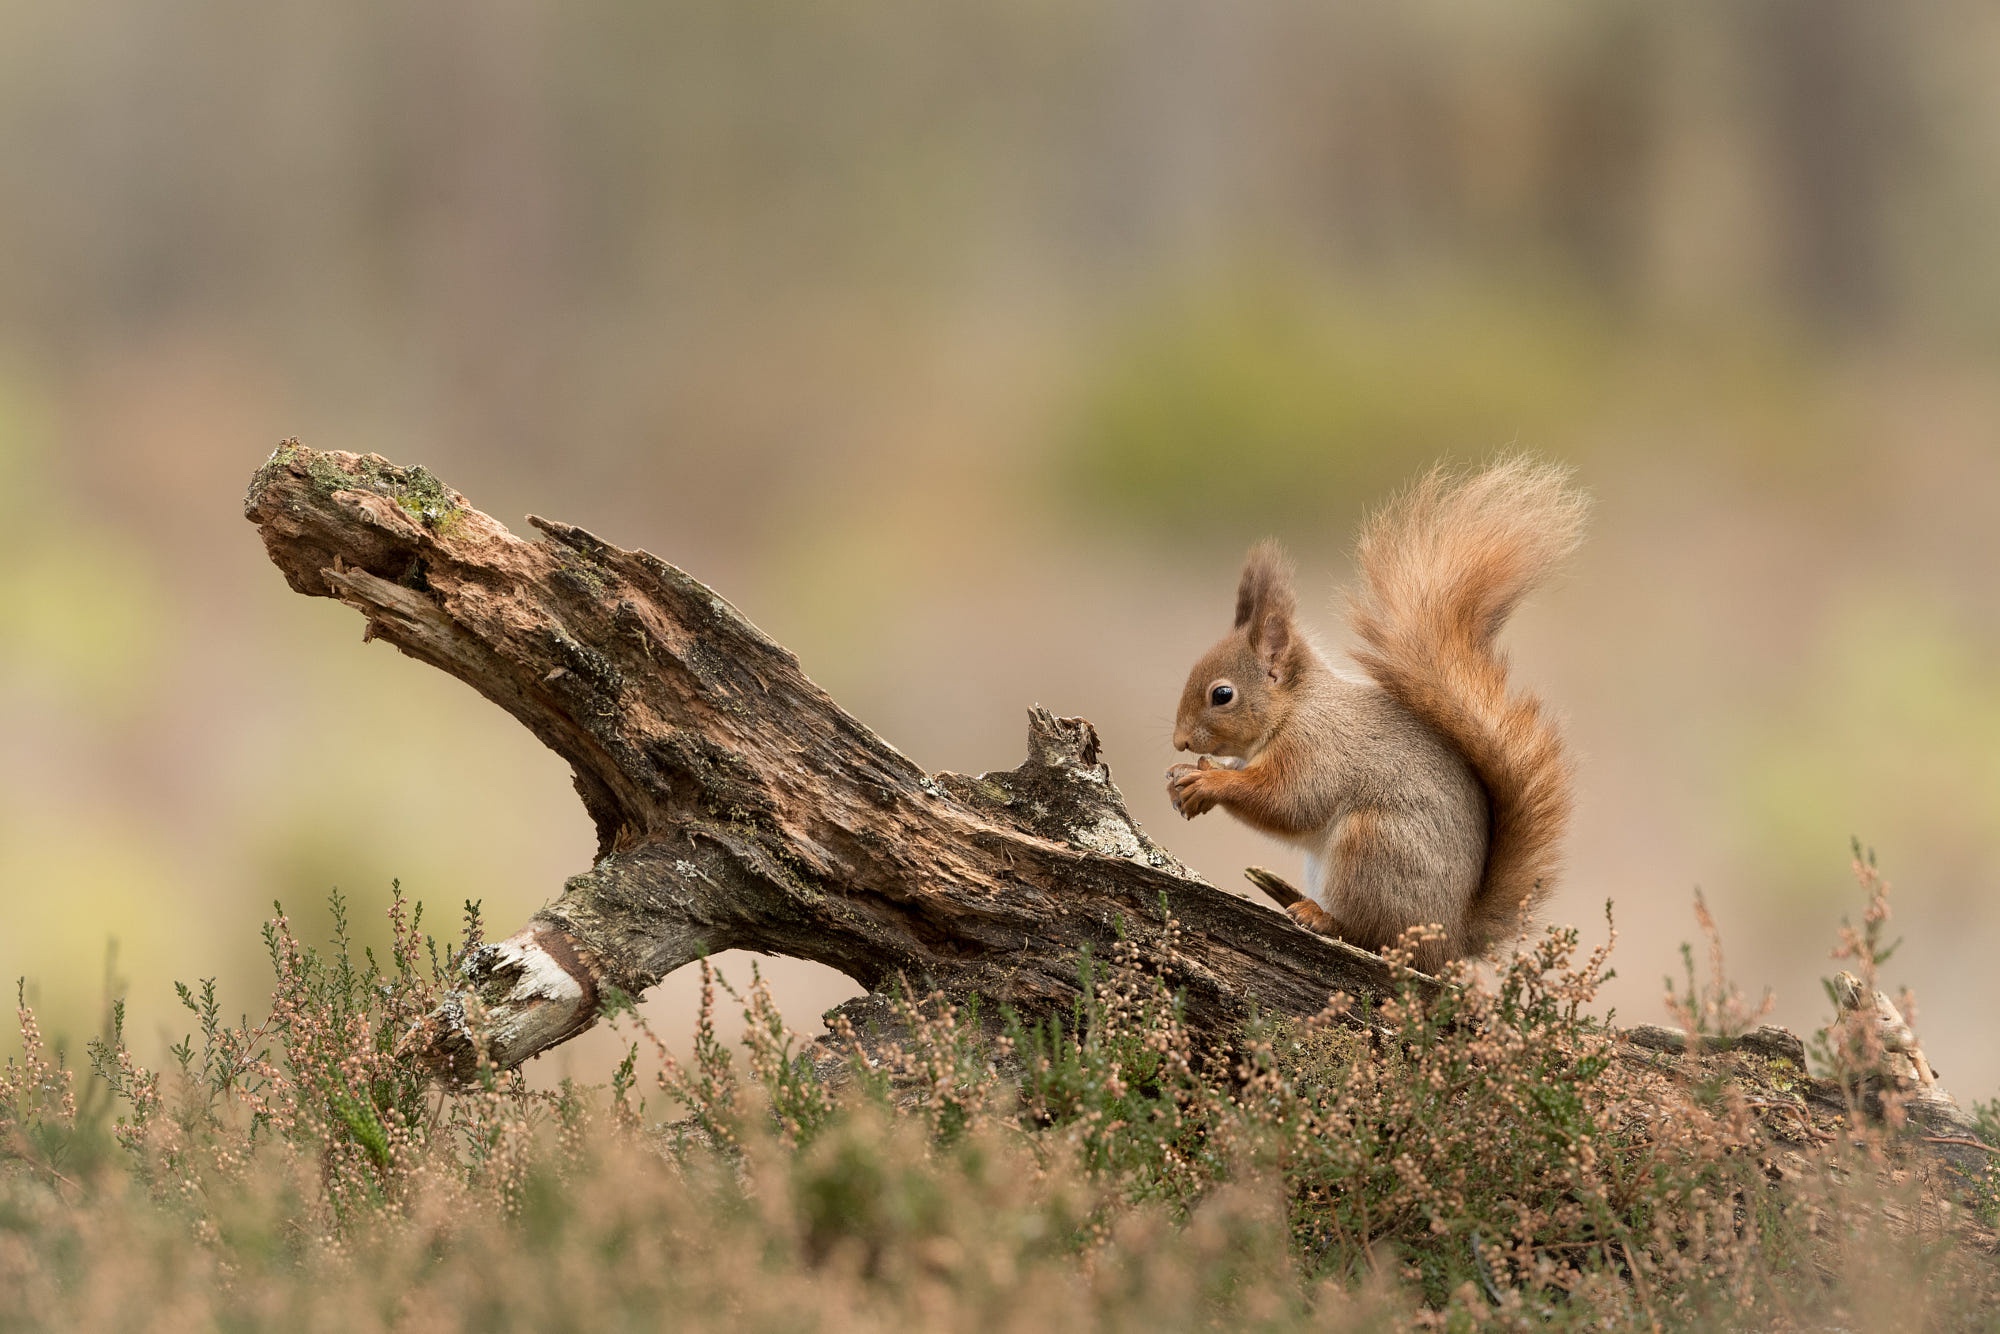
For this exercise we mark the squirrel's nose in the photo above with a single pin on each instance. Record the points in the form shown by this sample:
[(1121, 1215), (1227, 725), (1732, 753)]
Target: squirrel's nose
[(1180, 741)]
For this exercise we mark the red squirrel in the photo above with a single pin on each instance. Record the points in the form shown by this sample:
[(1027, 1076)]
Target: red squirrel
[(1425, 791)]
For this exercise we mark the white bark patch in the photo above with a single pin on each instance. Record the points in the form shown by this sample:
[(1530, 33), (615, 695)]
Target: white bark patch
[(542, 1006), (542, 978)]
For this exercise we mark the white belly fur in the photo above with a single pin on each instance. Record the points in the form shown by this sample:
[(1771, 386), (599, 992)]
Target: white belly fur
[(1319, 867)]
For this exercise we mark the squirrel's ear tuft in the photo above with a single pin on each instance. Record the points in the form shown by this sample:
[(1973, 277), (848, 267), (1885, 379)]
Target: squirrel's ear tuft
[(1264, 605), (1266, 589)]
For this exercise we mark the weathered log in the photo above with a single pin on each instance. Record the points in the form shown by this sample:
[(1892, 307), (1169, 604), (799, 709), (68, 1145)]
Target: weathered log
[(737, 806)]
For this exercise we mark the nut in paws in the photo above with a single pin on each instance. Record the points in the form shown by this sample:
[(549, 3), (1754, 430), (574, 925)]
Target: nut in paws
[(1194, 788)]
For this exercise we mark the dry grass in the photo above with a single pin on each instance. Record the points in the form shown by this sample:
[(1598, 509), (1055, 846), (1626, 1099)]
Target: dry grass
[(1493, 1157)]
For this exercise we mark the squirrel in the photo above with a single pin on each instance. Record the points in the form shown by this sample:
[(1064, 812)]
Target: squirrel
[(1424, 792)]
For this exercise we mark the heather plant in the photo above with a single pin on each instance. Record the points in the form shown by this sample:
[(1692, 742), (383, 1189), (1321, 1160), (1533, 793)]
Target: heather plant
[(1862, 1048), (1483, 1152), (1124, 1085), (1985, 1185), (319, 1079), (37, 1102), (1714, 1007)]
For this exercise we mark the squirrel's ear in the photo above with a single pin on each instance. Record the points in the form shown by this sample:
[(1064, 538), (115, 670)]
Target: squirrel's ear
[(1272, 639), (1264, 603), (1266, 586)]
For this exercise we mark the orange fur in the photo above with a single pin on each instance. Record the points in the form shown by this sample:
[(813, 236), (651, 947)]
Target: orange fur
[(1442, 568), (1261, 795)]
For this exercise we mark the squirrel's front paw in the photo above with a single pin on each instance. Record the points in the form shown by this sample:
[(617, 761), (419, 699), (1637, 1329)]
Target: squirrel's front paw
[(1313, 917), (1194, 788)]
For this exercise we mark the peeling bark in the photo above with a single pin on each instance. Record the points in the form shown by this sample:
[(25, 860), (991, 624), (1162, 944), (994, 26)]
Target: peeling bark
[(738, 806)]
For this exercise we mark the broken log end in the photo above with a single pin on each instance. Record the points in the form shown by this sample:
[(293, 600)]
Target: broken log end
[(519, 997)]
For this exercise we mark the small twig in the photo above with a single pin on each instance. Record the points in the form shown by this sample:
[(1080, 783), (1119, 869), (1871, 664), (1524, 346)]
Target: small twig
[(21, 1150), (1479, 1267), (1645, 1289), (1965, 1140), (1275, 886)]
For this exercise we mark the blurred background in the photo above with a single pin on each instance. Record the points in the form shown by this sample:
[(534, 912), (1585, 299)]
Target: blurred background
[(965, 348)]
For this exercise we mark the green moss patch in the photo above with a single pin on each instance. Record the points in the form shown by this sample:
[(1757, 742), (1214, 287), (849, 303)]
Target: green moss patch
[(415, 489)]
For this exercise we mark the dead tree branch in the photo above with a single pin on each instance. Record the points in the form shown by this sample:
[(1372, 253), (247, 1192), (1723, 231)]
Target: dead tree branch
[(737, 806)]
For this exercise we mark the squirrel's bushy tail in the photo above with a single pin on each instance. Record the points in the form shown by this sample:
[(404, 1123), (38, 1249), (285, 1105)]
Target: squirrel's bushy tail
[(1441, 568)]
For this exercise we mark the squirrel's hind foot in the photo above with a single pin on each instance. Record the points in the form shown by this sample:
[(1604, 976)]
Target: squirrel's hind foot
[(1313, 917)]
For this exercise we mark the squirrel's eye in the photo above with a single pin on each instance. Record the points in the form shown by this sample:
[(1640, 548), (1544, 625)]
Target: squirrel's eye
[(1221, 695)]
